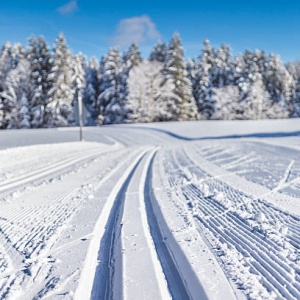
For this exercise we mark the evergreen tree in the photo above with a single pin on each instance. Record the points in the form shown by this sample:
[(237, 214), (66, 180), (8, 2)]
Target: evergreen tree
[(132, 57), (16, 89), (257, 101), (111, 98), (225, 100), (5, 63), (39, 57), (79, 83), (148, 93), (91, 91), (59, 111), (24, 116), (279, 83), (222, 69), (203, 86), (182, 106), (159, 53), (5, 67), (294, 70)]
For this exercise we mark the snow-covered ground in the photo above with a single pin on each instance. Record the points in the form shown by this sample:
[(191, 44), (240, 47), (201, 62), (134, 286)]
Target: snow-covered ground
[(197, 210)]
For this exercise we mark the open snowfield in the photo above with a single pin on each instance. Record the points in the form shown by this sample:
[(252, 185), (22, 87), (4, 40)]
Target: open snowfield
[(198, 210)]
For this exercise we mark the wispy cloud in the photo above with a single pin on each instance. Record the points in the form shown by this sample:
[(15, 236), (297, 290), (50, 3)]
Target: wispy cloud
[(136, 30), (68, 8)]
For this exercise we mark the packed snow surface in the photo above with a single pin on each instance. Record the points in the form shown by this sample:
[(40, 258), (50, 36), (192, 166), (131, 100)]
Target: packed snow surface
[(196, 210)]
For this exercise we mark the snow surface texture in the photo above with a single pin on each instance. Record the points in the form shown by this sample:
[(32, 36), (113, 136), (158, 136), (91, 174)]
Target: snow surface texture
[(191, 210)]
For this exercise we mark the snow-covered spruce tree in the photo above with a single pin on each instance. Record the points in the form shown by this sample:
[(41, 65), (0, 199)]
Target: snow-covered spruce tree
[(294, 70), (112, 96), (39, 57), (159, 53), (18, 53), (257, 103), (203, 85), (182, 106), (5, 67), (192, 70), (225, 100), (24, 115), (5, 63), (78, 79), (16, 89), (148, 93), (59, 111), (132, 57), (279, 83), (222, 69), (240, 80), (91, 91)]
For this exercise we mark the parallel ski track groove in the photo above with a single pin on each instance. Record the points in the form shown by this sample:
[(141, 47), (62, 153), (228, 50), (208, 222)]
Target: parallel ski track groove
[(104, 289), (175, 283), (235, 231), (26, 236)]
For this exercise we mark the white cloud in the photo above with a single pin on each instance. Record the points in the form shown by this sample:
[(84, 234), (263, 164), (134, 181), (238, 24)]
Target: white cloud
[(68, 8), (135, 30)]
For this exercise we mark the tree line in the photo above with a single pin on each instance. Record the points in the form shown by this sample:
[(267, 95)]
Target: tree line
[(40, 87)]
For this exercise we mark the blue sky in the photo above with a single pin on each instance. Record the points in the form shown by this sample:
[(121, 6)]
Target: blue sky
[(94, 26)]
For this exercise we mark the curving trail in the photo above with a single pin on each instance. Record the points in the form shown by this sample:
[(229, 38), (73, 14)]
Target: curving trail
[(137, 213)]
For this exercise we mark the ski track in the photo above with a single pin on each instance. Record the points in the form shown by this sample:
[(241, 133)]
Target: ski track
[(164, 225), (267, 246)]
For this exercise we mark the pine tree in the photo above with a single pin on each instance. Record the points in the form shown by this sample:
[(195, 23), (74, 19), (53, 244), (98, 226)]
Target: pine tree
[(5, 67), (112, 98), (79, 83), (148, 93), (257, 102), (294, 70), (16, 89), (182, 106), (39, 57), (203, 86), (24, 116), (132, 57), (222, 69), (91, 91), (279, 83), (159, 53), (5, 63), (225, 100), (59, 111)]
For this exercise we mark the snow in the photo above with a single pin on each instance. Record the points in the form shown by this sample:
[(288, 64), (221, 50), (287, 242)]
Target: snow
[(154, 211)]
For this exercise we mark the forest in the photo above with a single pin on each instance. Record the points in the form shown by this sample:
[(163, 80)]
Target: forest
[(40, 86)]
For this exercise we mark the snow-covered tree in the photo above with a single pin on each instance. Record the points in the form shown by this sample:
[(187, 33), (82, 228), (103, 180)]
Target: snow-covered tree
[(182, 106), (91, 91), (111, 98), (132, 57), (59, 111), (5, 63), (257, 102), (279, 83), (222, 69), (24, 116), (39, 57), (203, 85), (225, 100), (78, 79), (148, 93), (16, 89), (5, 67), (294, 70), (159, 53)]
